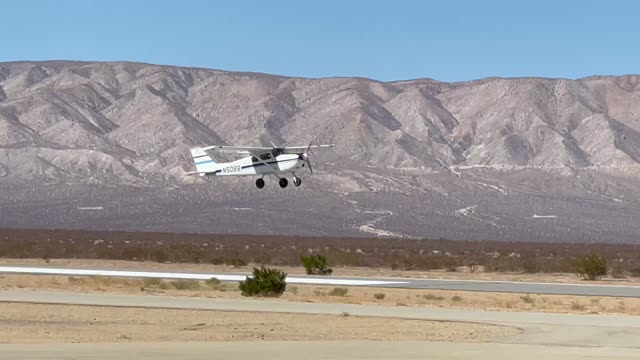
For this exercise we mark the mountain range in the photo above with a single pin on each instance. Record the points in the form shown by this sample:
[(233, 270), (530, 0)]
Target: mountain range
[(496, 158)]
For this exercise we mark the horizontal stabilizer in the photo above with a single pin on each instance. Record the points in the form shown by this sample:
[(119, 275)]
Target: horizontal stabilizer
[(204, 162)]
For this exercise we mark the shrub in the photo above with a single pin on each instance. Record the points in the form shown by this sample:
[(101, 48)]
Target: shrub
[(591, 267), (379, 296), (618, 273), (216, 261), (450, 264), (528, 299), (237, 262), (532, 266), (212, 281), (159, 255), (264, 282), (431, 297), (339, 292), (315, 265), (184, 284), (456, 298), (151, 282), (577, 306)]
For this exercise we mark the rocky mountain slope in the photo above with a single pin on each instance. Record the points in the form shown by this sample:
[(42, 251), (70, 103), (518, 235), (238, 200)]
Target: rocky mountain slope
[(494, 140)]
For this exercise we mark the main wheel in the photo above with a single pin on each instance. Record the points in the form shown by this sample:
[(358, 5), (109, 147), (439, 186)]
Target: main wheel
[(283, 183), (260, 183), (297, 181)]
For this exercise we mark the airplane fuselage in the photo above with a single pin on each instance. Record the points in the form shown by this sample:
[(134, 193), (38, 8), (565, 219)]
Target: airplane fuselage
[(248, 166)]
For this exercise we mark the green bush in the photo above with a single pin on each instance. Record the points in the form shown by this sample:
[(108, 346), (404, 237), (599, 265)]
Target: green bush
[(264, 282), (379, 296), (315, 265), (591, 267)]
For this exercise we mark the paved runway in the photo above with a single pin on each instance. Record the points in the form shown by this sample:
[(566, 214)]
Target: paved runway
[(351, 350), (548, 336), (459, 285)]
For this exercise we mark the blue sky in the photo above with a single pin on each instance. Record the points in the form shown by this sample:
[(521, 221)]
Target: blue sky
[(386, 40)]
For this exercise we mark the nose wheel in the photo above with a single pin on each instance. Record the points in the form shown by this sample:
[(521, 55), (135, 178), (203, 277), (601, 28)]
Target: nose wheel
[(260, 183), (297, 181)]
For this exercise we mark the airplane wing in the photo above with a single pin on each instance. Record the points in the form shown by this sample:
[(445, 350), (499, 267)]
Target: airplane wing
[(257, 150), (295, 149), (241, 149)]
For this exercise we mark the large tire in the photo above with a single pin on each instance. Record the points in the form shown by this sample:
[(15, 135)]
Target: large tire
[(283, 183), (260, 183)]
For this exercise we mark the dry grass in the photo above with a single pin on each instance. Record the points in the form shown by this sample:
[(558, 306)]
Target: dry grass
[(351, 295)]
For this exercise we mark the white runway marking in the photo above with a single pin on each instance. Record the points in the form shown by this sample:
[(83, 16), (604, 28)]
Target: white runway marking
[(189, 276), (90, 208)]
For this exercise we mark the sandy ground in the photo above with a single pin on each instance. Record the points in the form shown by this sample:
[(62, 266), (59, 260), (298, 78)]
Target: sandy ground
[(540, 335), (37, 323), (337, 271), (329, 294)]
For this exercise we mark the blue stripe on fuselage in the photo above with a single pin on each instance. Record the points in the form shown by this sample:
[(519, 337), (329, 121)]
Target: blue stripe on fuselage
[(248, 166)]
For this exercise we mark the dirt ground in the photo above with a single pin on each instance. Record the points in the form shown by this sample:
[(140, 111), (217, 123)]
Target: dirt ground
[(462, 274), (35, 323), (330, 294)]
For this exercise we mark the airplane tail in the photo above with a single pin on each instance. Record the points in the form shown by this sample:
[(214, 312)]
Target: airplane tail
[(204, 162)]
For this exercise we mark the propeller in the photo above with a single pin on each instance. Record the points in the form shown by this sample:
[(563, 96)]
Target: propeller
[(305, 157)]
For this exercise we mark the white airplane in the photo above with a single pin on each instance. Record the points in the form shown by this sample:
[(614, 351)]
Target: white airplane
[(276, 161)]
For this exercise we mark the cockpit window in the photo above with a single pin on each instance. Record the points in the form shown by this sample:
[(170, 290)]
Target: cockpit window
[(265, 156)]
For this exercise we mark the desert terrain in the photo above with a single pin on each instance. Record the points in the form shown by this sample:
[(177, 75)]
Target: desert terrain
[(37, 323), (321, 294), (518, 159)]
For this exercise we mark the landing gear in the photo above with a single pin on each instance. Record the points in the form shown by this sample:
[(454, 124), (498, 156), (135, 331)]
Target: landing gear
[(283, 182)]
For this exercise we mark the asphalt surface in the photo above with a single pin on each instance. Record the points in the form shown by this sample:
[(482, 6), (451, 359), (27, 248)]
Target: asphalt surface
[(352, 350), (433, 284), (548, 336)]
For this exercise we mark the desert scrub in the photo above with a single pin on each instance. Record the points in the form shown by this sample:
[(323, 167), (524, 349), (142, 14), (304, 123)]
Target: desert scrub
[(267, 282), (184, 284), (339, 292), (315, 265)]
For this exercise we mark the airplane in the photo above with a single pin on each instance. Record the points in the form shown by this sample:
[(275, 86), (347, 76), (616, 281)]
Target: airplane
[(275, 160)]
